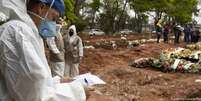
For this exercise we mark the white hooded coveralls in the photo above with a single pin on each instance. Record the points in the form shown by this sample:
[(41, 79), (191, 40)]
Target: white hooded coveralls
[(56, 54), (73, 52), (24, 71)]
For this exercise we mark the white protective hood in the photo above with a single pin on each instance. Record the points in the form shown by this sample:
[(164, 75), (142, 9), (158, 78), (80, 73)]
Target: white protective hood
[(24, 71), (16, 10), (73, 37), (23, 64)]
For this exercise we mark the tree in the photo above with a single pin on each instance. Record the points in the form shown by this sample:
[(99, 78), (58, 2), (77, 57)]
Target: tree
[(72, 13), (112, 10), (95, 6), (111, 15), (180, 10), (122, 13), (69, 13), (140, 7)]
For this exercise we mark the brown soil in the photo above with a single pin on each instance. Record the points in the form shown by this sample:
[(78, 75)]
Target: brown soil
[(125, 83)]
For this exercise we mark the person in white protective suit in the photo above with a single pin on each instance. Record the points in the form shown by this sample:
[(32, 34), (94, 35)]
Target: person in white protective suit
[(73, 52), (24, 71), (56, 55)]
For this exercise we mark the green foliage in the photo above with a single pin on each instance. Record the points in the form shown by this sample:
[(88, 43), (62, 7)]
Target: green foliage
[(71, 17), (69, 12), (181, 10), (109, 19), (144, 18), (95, 5), (113, 15), (141, 5), (80, 24)]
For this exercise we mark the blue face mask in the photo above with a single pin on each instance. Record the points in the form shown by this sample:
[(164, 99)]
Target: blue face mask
[(47, 28)]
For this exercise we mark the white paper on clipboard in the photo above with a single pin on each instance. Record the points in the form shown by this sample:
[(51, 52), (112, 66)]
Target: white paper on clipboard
[(88, 79)]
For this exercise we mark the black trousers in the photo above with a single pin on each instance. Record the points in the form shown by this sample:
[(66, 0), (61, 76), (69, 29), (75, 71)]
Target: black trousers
[(158, 35), (165, 37), (177, 36), (187, 37)]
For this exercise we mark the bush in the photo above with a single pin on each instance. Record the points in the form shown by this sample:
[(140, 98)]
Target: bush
[(80, 24)]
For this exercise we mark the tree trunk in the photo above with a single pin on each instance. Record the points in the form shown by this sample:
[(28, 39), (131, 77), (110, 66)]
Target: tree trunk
[(93, 18), (122, 13)]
